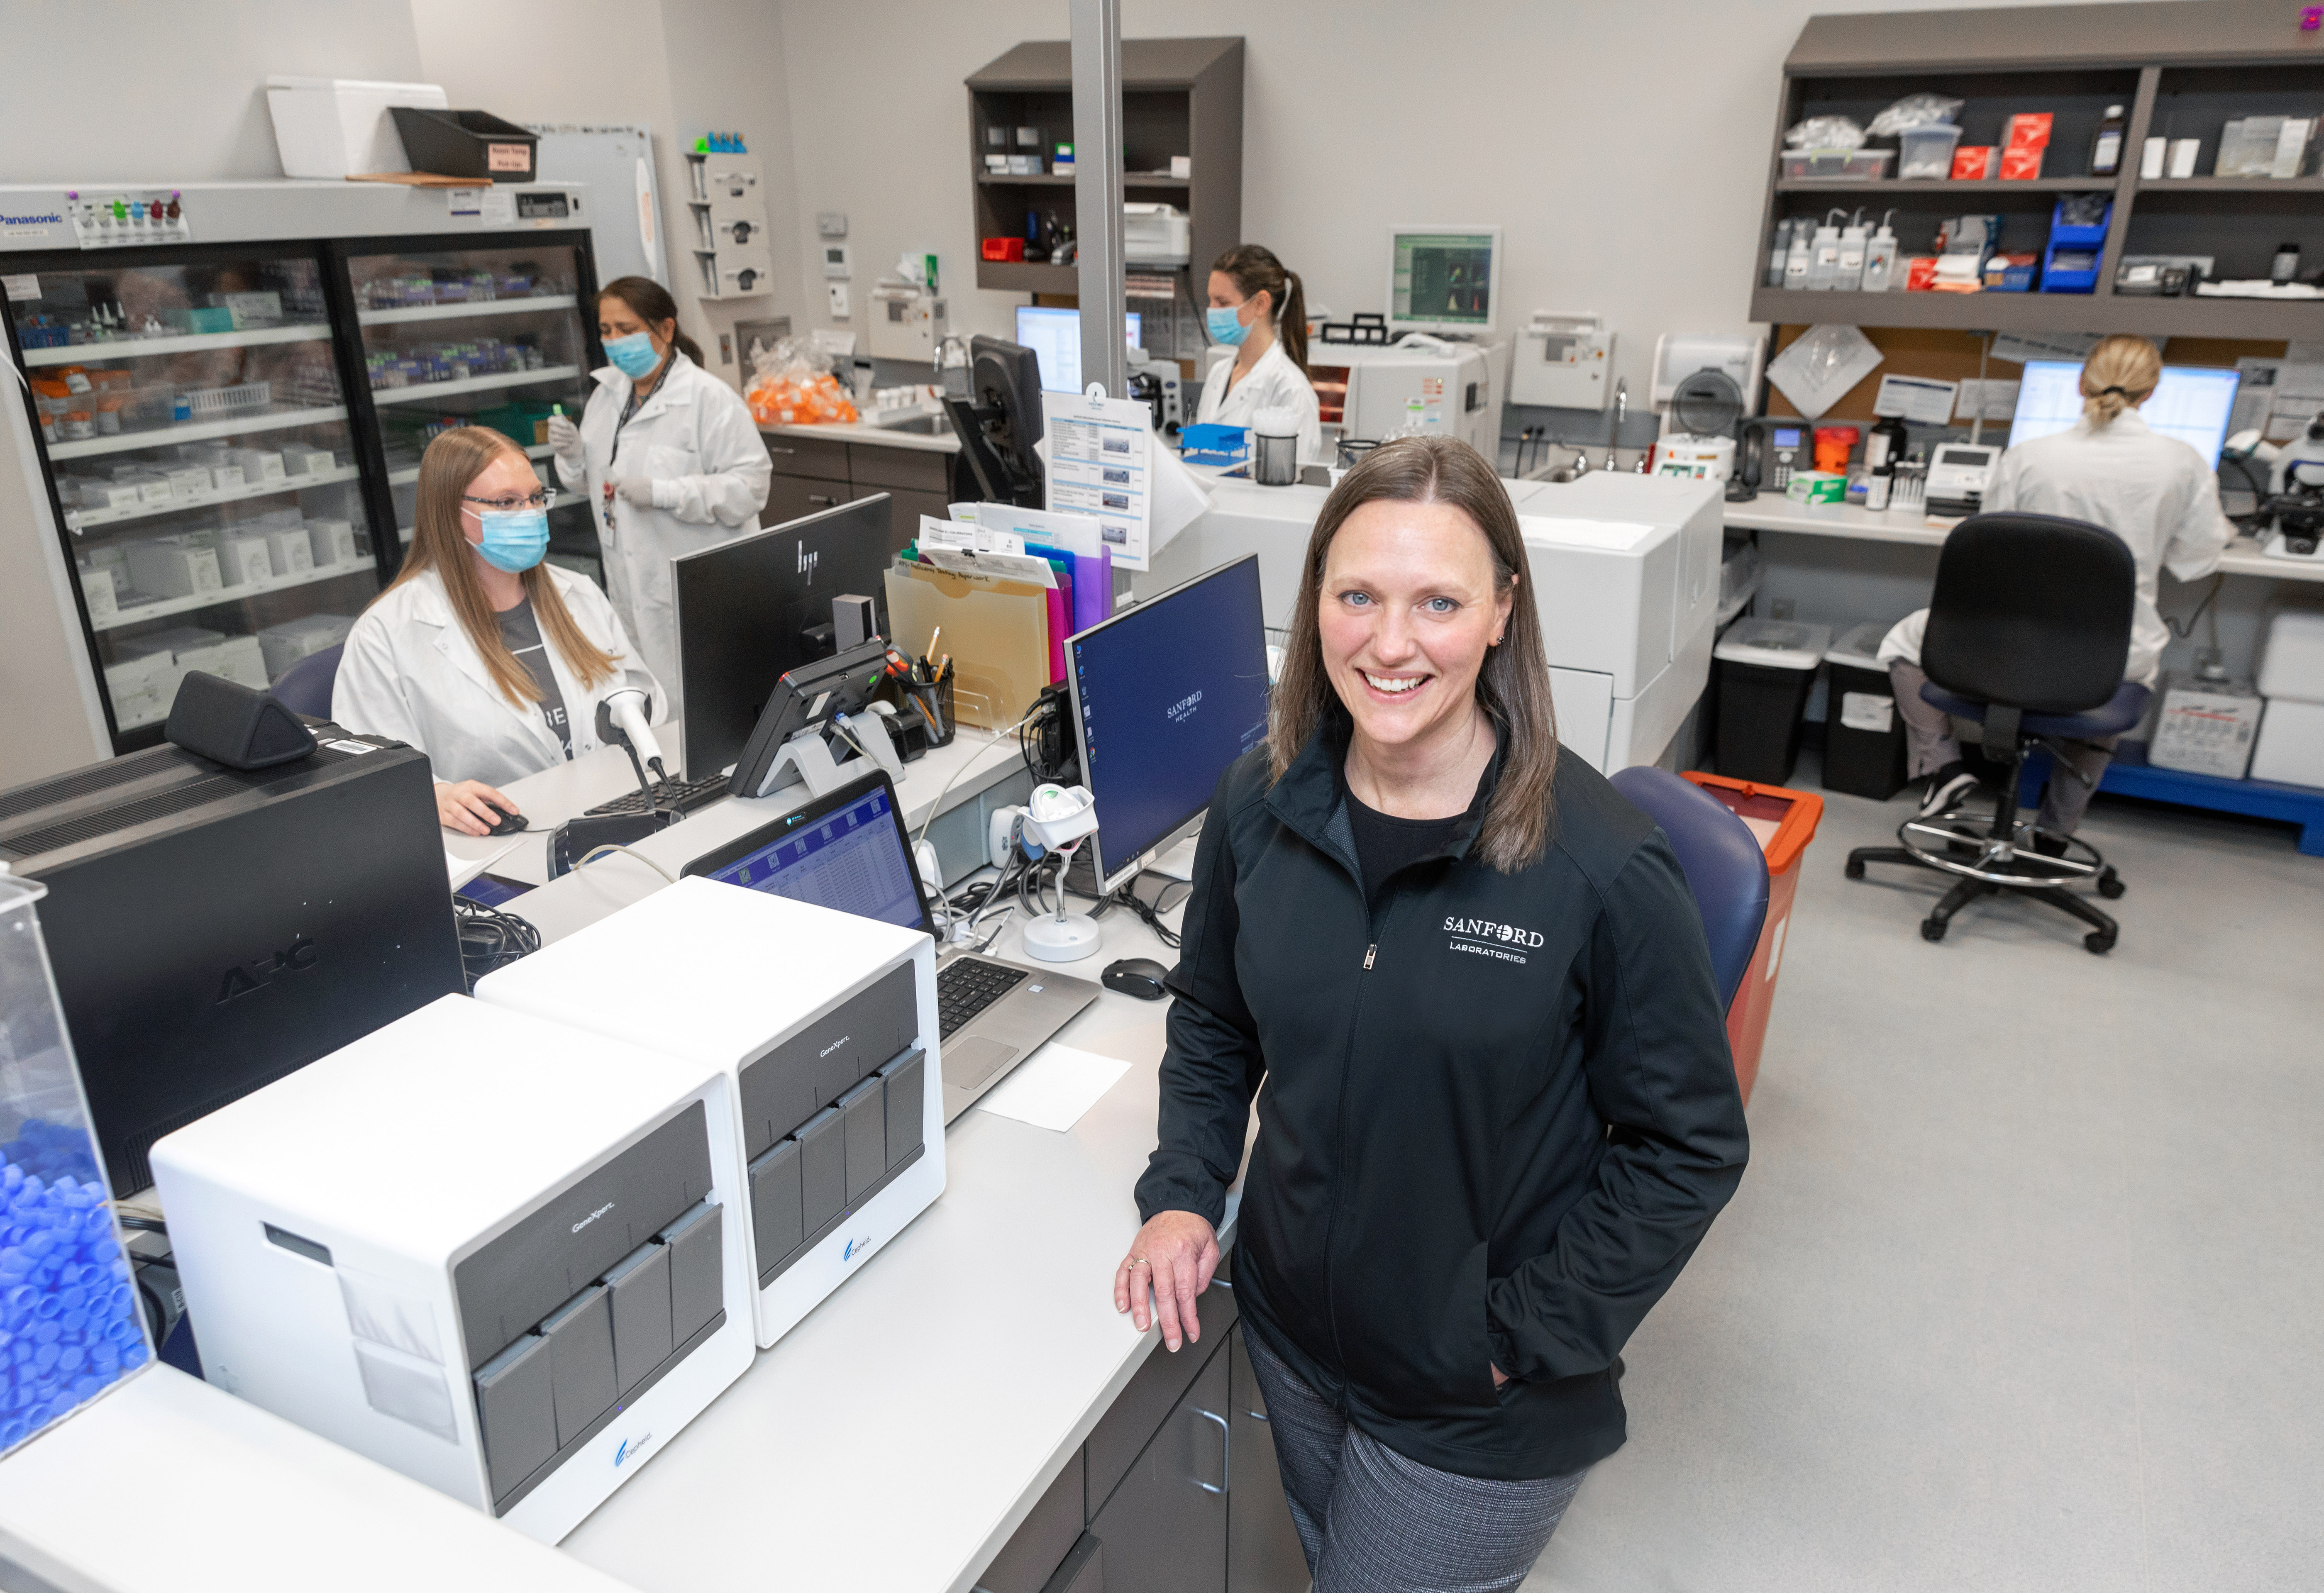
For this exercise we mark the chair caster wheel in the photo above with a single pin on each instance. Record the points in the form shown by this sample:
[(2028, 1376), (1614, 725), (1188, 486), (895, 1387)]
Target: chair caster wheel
[(2099, 942), (2110, 886), (1934, 929), (1855, 869)]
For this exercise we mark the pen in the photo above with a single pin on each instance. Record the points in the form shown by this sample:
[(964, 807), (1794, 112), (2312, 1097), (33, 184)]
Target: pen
[(932, 642)]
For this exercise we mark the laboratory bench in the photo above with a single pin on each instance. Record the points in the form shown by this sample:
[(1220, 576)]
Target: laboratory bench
[(818, 467), (968, 1410)]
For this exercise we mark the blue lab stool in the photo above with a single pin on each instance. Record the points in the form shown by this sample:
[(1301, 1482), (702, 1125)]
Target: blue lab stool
[(2028, 633), (306, 687)]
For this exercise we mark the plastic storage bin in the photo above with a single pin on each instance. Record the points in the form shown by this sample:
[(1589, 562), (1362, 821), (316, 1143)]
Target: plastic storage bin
[(1834, 165), (69, 1315), (1767, 668), (1864, 735), (1785, 821), (1926, 152), (2291, 745), (2070, 263), (465, 144)]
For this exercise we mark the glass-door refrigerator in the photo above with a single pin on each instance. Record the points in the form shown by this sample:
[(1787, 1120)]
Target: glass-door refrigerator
[(229, 431)]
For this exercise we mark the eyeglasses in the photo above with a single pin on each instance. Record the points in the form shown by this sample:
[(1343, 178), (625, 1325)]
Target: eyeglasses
[(544, 499)]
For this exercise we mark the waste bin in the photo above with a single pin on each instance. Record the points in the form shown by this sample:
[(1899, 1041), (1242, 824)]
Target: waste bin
[(1767, 668), (1785, 821), (1863, 734)]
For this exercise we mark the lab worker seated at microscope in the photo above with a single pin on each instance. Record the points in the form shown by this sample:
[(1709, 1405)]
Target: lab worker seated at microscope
[(1259, 311), (491, 661)]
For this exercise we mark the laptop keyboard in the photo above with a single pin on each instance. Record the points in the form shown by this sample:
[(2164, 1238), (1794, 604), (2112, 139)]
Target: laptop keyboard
[(967, 986), (674, 797)]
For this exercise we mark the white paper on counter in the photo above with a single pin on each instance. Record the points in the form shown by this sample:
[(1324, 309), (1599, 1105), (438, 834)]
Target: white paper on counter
[(462, 869), (1052, 1088)]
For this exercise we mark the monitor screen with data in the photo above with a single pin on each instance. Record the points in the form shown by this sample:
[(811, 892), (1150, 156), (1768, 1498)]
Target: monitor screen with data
[(2191, 403), (1054, 336), (1443, 279)]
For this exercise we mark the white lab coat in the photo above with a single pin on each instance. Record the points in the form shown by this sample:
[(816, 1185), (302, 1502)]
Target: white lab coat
[(694, 438), (1273, 380), (410, 674), (2153, 492)]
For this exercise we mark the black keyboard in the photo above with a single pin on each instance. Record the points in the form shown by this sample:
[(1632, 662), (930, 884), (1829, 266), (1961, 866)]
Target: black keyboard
[(672, 796), (968, 986)]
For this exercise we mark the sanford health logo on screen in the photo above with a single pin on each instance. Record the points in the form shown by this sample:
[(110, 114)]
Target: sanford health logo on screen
[(1482, 937)]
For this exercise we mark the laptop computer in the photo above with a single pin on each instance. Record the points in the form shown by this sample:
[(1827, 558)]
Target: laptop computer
[(848, 852)]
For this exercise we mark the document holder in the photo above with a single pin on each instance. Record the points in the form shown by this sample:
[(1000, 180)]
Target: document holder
[(996, 630)]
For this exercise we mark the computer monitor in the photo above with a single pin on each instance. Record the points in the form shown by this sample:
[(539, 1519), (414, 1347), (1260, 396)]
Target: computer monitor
[(2191, 402), (1166, 695), (1054, 336), (998, 423), (847, 852), (755, 608), (1443, 279), (211, 930)]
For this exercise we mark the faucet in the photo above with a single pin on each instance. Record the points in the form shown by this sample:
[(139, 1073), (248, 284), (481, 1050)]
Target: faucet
[(1622, 410)]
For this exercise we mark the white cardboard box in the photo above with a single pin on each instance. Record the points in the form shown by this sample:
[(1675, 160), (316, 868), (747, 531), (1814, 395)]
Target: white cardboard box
[(244, 561), (333, 542), (98, 592), (258, 464), (339, 126), (173, 569), (285, 644), (290, 550), (236, 658), (2205, 727), (142, 688), (2293, 664), (2291, 746)]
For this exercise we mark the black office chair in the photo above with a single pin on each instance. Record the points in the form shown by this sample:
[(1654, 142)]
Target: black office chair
[(2028, 633)]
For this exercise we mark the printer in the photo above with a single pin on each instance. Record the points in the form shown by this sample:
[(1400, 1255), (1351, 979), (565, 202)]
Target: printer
[(823, 1025), (490, 1252)]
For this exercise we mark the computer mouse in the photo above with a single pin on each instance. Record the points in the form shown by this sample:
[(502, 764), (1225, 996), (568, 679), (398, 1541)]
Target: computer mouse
[(1136, 976), (511, 823)]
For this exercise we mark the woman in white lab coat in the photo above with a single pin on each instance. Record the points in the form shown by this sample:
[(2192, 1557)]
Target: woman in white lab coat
[(488, 660), (668, 456), (2111, 470), (1259, 311)]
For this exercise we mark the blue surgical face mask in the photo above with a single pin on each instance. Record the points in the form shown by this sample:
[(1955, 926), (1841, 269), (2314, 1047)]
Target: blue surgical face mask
[(514, 539), (1225, 323), (633, 355)]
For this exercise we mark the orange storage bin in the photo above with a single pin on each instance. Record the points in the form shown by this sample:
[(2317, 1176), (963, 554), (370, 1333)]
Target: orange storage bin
[(1785, 821)]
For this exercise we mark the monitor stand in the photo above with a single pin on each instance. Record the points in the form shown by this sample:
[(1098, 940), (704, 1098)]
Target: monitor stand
[(807, 755)]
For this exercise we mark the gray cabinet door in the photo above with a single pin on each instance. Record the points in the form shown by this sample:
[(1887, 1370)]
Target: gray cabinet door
[(790, 496), (1263, 1551), (1165, 1528)]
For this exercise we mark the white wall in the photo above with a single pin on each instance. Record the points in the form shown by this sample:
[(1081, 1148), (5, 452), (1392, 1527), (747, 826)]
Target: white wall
[(1624, 149)]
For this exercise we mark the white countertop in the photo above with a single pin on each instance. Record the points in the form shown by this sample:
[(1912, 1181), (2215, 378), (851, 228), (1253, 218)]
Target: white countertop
[(942, 442), (1771, 511)]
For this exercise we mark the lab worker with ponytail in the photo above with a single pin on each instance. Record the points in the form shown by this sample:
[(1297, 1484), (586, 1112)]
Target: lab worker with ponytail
[(1259, 309), (666, 455), (487, 660)]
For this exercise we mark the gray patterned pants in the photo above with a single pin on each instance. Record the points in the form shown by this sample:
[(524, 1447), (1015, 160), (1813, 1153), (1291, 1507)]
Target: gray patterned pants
[(1373, 1521)]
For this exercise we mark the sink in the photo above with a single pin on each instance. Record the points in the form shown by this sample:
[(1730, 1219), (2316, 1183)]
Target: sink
[(918, 423)]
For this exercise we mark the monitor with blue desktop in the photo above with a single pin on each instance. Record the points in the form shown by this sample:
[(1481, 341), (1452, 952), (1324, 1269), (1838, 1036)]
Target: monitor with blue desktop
[(1054, 336), (2191, 402), (1166, 695)]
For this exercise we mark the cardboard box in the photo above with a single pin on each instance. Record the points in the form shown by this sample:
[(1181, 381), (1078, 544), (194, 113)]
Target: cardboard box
[(290, 549), (173, 568), (1974, 162), (142, 688), (98, 592), (1816, 486), (2020, 165), (258, 464), (2030, 130), (284, 645), (226, 478), (2205, 727), (244, 561), (236, 658), (333, 542)]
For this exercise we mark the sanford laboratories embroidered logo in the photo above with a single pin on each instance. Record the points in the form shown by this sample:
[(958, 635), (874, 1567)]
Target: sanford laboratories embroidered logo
[(1482, 937)]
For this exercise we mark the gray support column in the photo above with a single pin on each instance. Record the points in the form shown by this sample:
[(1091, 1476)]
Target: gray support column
[(1097, 190)]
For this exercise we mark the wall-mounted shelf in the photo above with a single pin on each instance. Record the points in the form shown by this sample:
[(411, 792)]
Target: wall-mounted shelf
[(408, 473), (2180, 67), (162, 437), (1179, 97), (426, 392), (722, 194), (163, 608)]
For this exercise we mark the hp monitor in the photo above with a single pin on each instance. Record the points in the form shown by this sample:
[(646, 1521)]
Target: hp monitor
[(1166, 695), (1054, 336), (2191, 403), (753, 610), (1443, 279)]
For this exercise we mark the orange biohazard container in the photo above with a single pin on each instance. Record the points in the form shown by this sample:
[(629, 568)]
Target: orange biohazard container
[(1785, 821)]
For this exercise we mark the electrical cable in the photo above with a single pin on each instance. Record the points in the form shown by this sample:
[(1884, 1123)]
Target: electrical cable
[(2183, 632), (140, 1224), (1150, 913), (596, 853), (937, 805), (490, 938)]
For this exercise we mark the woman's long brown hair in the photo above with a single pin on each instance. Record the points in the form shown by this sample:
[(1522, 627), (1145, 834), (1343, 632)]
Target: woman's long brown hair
[(453, 460), (1513, 685)]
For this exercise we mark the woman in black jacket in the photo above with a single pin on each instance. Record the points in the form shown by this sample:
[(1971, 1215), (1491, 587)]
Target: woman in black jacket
[(1498, 1110)]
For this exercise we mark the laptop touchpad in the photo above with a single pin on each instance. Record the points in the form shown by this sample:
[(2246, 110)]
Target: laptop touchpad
[(969, 1062)]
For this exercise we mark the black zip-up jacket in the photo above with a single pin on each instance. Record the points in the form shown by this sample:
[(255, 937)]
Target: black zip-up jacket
[(1500, 1110)]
